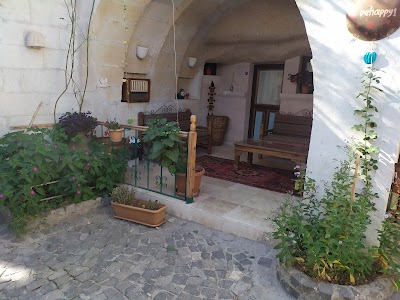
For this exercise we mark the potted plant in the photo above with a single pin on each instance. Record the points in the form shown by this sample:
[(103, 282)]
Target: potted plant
[(128, 207), (115, 131), (75, 123), (323, 240), (75, 129), (181, 176), (304, 79), (168, 150)]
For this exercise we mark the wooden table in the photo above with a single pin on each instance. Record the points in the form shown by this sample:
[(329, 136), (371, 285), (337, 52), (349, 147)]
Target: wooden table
[(288, 147)]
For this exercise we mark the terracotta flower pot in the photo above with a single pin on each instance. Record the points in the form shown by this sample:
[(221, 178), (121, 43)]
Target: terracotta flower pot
[(305, 89), (115, 135), (151, 218), (181, 183)]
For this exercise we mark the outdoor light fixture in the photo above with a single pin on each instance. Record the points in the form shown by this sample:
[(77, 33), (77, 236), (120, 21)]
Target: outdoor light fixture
[(34, 40), (192, 61), (141, 52)]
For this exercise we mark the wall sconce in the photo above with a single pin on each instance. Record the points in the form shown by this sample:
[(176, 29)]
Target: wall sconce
[(141, 52), (34, 40), (192, 61)]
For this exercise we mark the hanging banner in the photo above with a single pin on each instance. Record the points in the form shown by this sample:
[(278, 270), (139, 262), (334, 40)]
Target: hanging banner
[(372, 20)]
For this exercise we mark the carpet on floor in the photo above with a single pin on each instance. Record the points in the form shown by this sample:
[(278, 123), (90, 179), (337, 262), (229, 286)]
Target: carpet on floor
[(252, 175)]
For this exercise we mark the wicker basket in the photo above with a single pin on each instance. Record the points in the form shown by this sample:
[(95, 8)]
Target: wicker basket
[(219, 128)]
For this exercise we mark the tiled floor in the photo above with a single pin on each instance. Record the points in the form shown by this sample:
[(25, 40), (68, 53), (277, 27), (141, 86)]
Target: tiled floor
[(231, 207)]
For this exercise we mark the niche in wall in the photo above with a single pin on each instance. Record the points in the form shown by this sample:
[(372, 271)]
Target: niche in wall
[(210, 69)]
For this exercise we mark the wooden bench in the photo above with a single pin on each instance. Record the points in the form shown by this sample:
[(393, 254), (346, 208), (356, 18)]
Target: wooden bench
[(290, 139), (169, 112)]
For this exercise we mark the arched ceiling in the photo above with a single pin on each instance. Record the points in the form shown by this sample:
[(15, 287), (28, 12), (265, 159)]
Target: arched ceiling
[(258, 31), (222, 31)]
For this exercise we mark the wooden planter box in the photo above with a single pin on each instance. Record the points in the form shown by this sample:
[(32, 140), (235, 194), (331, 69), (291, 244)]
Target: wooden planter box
[(151, 218)]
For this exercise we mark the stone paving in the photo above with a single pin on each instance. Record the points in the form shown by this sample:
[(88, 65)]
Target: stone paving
[(99, 257)]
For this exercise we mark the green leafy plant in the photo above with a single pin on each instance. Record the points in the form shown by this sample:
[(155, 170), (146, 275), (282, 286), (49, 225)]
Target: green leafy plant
[(325, 237), (166, 148), (39, 172), (77, 123), (113, 125), (127, 196), (303, 78)]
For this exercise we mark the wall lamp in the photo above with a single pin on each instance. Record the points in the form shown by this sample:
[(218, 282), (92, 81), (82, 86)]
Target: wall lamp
[(34, 40), (141, 52), (192, 61)]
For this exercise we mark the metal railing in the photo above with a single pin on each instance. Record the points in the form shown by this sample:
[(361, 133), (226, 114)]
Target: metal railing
[(149, 175), (144, 173)]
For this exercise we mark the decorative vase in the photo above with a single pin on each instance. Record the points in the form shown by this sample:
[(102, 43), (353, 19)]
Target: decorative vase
[(115, 135), (151, 218), (181, 183), (219, 127)]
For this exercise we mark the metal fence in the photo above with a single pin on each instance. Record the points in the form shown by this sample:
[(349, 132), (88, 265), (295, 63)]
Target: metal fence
[(149, 175)]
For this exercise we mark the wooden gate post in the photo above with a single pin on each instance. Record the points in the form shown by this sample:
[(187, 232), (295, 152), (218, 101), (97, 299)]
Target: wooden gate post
[(191, 163)]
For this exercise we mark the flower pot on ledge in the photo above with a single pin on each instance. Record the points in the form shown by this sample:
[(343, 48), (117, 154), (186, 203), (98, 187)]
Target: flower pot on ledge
[(116, 135), (305, 89), (181, 182)]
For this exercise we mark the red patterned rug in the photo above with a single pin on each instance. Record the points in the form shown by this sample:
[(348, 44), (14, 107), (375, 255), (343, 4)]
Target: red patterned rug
[(253, 175)]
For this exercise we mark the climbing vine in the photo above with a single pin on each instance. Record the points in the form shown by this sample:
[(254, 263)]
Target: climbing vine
[(70, 72)]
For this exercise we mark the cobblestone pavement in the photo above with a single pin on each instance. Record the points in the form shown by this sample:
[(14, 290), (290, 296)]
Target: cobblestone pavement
[(99, 257)]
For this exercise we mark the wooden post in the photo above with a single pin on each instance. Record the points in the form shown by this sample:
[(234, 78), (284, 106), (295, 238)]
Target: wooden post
[(353, 189), (191, 163)]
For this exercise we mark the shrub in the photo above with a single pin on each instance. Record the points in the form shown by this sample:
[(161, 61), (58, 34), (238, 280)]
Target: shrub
[(35, 165), (166, 148), (326, 238)]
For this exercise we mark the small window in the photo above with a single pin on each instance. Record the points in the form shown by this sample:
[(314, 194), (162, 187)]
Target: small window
[(135, 90)]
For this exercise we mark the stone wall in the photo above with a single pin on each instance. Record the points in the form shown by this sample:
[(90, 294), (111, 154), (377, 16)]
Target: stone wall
[(30, 76)]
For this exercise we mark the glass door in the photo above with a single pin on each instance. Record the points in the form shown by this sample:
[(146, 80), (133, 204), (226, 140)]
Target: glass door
[(265, 101)]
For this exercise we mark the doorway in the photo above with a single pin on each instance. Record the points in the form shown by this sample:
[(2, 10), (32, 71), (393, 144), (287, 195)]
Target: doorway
[(265, 99)]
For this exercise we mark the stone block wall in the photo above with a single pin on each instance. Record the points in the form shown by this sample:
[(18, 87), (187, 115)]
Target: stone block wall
[(29, 76)]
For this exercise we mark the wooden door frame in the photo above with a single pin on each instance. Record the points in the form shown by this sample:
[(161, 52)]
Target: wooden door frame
[(254, 92)]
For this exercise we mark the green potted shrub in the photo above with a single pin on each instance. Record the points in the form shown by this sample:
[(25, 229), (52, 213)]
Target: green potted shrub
[(76, 129), (168, 150), (324, 235), (304, 79), (181, 175), (115, 131), (128, 207), (75, 123)]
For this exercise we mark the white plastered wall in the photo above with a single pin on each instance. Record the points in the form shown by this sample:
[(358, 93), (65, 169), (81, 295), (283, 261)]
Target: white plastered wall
[(338, 63), (29, 76)]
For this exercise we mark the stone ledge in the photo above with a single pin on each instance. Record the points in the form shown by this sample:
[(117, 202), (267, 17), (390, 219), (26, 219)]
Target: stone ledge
[(63, 213), (301, 286)]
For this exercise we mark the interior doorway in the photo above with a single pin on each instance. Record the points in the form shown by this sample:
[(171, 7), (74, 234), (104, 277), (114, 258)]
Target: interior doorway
[(265, 100)]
